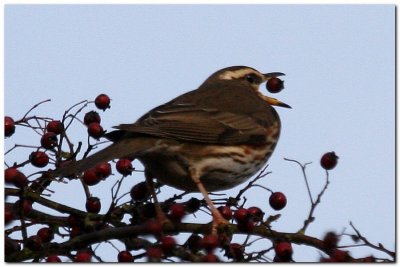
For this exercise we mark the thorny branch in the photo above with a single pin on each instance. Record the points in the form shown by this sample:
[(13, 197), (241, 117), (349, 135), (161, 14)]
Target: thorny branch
[(136, 236)]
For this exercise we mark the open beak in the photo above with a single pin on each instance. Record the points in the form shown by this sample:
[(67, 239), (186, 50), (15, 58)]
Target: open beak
[(272, 74), (275, 102), (270, 100)]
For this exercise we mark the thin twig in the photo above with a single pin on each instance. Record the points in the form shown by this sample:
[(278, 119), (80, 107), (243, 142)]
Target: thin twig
[(34, 106), (17, 145), (303, 169), (379, 247), (261, 174), (311, 218), (315, 203), (73, 116)]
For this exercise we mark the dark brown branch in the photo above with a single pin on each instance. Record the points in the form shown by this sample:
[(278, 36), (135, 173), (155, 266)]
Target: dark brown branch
[(123, 232)]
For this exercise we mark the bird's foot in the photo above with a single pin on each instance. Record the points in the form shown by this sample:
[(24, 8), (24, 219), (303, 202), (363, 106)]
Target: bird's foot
[(219, 224)]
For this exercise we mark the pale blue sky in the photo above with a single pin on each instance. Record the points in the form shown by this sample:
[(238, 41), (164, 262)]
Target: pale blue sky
[(340, 81)]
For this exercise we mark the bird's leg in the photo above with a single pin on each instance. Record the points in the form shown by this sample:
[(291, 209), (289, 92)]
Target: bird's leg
[(218, 219), (160, 215)]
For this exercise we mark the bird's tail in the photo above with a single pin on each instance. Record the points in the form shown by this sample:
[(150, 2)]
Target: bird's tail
[(124, 148)]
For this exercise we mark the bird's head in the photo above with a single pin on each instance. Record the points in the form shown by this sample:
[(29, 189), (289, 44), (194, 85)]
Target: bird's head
[(248, 77)]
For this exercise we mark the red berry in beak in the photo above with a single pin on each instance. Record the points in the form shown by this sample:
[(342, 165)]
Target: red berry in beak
[(274, 85)]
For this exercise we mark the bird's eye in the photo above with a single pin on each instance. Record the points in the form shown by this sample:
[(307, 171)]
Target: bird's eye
[(250, 78)]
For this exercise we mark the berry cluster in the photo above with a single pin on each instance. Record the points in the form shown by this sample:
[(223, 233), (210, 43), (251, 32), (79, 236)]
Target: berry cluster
[(150, 230)]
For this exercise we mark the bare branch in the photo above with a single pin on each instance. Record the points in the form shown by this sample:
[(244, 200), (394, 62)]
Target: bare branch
[(379, 247)]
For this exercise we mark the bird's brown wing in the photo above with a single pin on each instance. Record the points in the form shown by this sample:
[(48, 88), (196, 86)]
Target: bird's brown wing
[(194, 118)]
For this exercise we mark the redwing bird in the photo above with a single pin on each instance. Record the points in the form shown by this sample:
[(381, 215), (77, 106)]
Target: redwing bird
[(209, 139)]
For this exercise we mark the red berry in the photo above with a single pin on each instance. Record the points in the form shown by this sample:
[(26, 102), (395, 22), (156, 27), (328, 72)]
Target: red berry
[(20, 180), (274, 85), (26, 206), (125, 256), (192, 205), (93, 204), (8, 214), (95, 130), (241, 215), (330, 240), (256, 213), (329, 160), (210, 258), (340, 255), (91, 116), (53, 258), (154, 254), (102, 102), (34, 243), (9, 126), (284, 251), (10, 174), (277, 201), (210, 242), (49, 140), (139, 192), (226, 212), (39, 159), (235, 251), (168, 243), (103, 169), (46, 234), (177, 211), (124, 166), (83, 256), (55, 126), (91, 177)]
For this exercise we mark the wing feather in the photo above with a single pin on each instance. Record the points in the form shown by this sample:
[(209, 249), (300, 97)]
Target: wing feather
[(215, 119), (197, 125)]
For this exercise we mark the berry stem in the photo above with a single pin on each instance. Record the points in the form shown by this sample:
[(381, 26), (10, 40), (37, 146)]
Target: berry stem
[(310, 218), (34, 106), (303, 169)]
